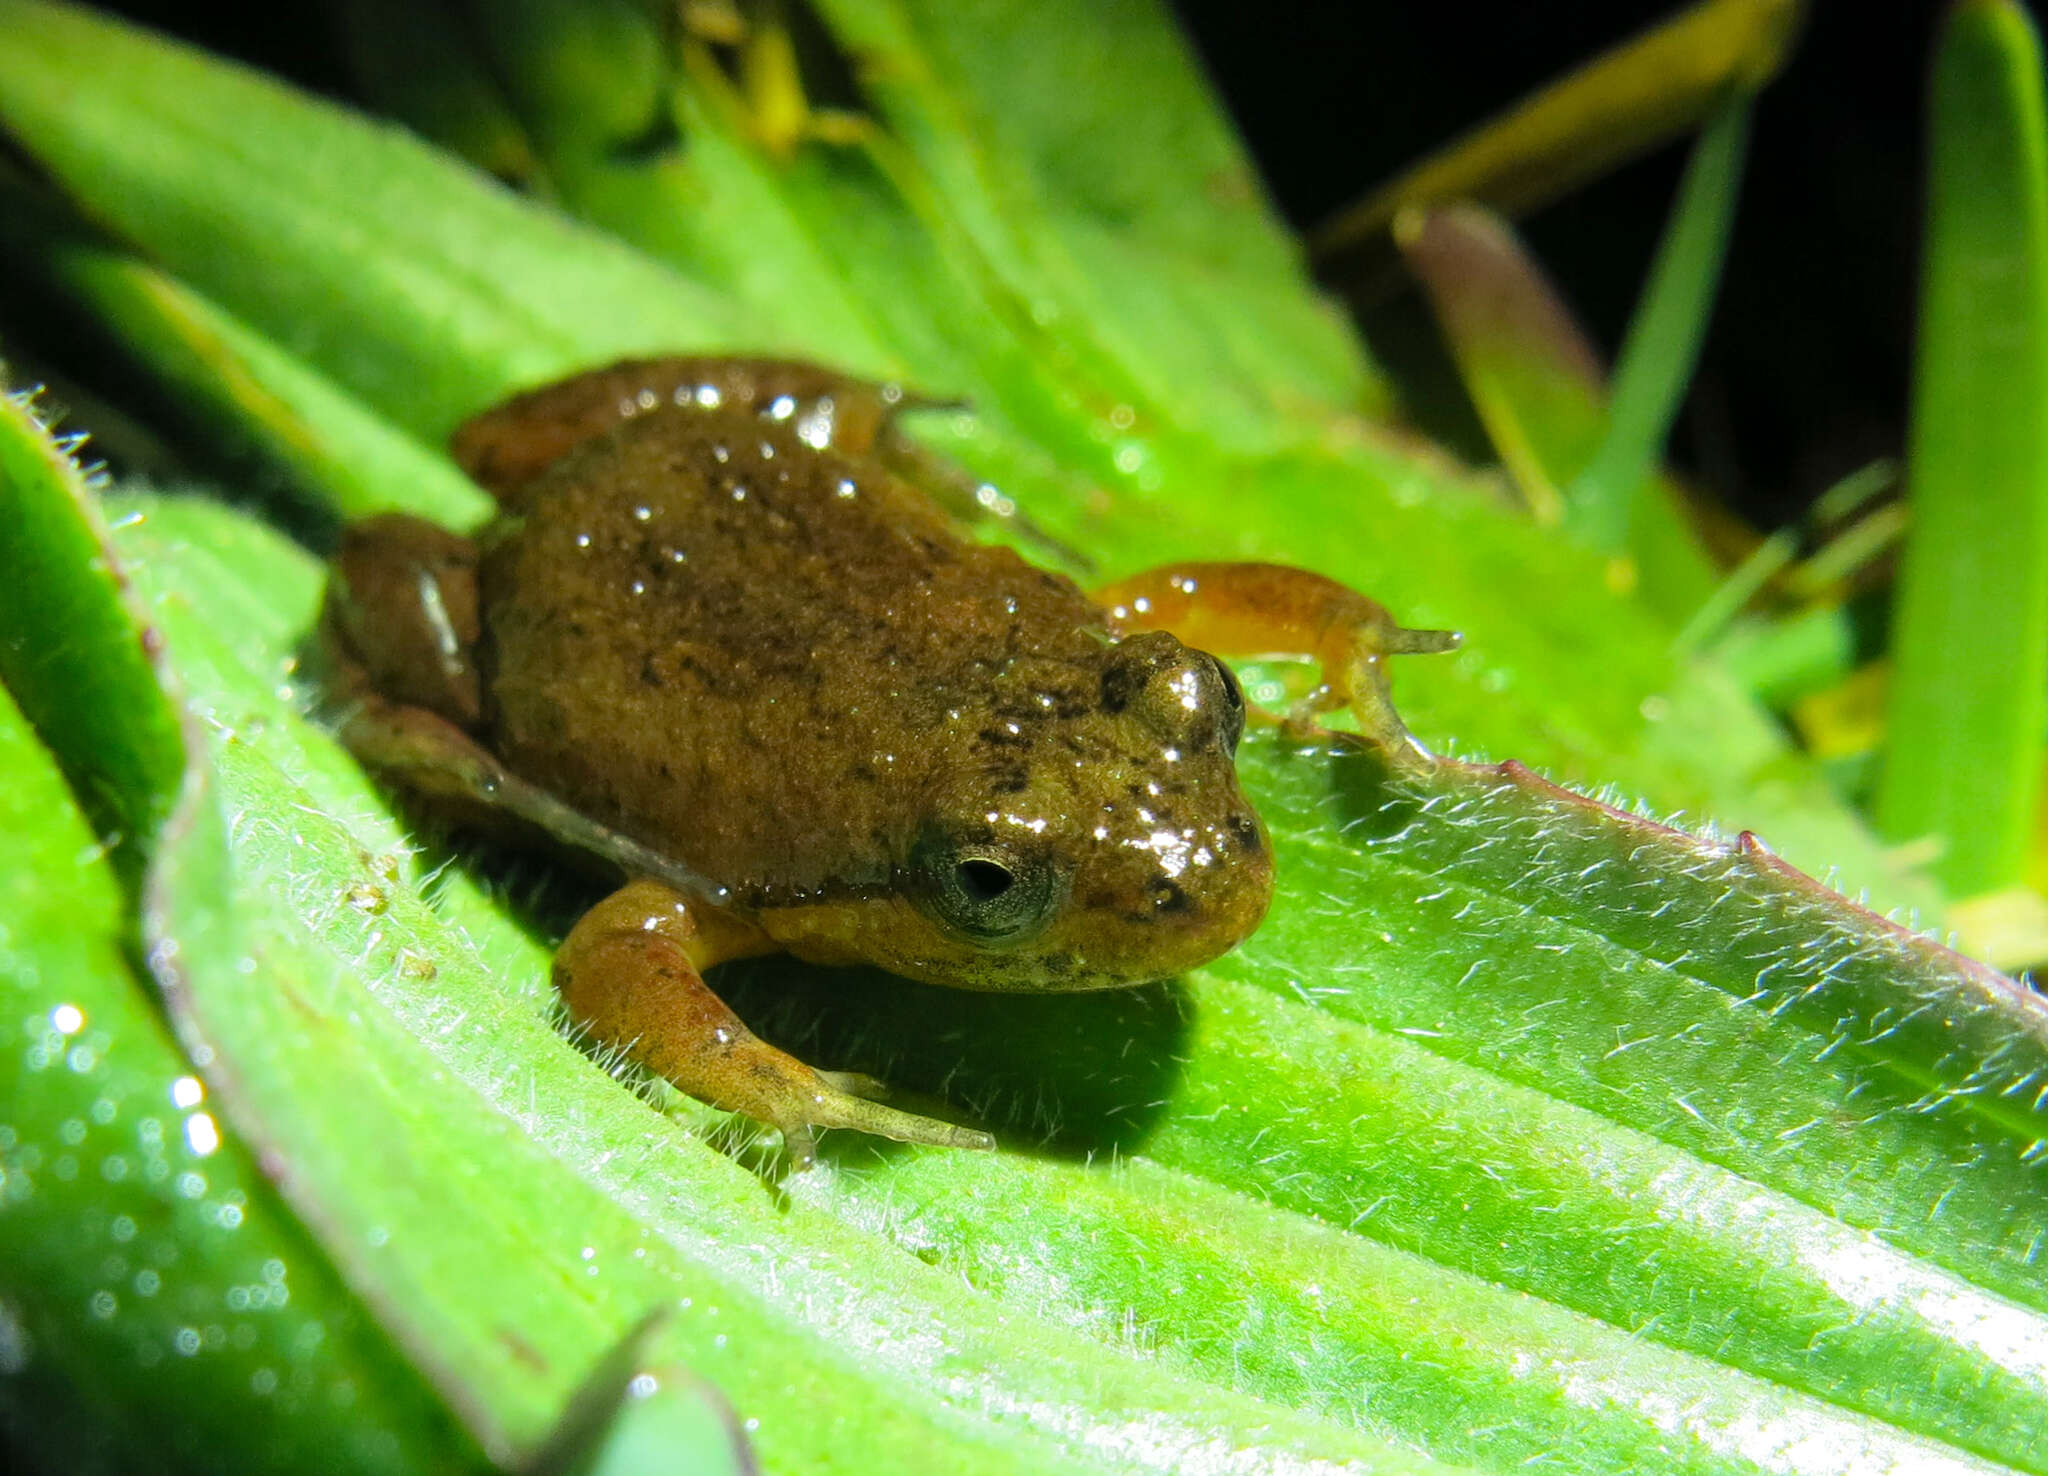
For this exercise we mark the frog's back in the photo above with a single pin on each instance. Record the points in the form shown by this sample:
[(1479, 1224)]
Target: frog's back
[(754, 654)]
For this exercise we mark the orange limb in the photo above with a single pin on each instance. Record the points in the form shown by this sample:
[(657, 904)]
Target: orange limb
[(1247, 611), (631, 972)]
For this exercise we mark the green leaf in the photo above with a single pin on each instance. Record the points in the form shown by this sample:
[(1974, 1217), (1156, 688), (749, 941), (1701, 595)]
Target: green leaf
[(631, 1417), (236, 387), (158, 1296), (1664, 336), (415, 62), (1519, 1115), (1784, 660), (1962, 758), (372, 208), (1541, 393), (1018, 115), (1602, 1163), (131, 772)]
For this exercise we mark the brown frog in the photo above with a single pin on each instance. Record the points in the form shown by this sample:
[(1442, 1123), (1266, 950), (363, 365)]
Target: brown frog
[(722, 638)]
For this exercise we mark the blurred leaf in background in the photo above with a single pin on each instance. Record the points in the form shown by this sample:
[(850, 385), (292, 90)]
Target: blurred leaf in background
[(1963, 745)]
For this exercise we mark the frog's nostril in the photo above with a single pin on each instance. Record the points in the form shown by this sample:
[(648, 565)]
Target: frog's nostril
[(1168, 896), (1245, 831)]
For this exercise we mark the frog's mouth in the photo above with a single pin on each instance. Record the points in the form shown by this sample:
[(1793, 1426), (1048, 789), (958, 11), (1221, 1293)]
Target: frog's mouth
[(1081, 950), (1088, 951), (984, 911)]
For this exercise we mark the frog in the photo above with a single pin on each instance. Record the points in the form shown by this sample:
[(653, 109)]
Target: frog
[(730, 641)]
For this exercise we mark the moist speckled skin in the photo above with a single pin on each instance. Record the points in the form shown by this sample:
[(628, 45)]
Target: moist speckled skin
[(782, 667), (510, 444)]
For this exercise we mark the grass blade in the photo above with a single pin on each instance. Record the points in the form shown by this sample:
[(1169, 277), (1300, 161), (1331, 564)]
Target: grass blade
[(1664, 336), (1639, 95), (1970, 634), (1541, 391)]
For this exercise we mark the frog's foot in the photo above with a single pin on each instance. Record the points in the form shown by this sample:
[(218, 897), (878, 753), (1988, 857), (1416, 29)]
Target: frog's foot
[(1251, 610), (631, 974), (1354, 672), (826, 1106)]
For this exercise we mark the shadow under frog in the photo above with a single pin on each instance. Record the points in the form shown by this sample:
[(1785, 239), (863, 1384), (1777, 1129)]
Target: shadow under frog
[(725, 640), (1071, 1075)]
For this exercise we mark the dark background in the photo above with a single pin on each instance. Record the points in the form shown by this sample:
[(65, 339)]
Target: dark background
[(1805, 372)]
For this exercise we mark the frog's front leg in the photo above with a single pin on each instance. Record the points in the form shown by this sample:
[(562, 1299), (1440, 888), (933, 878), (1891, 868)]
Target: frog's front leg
[(399, 632), (401, 618), (631, 972), (1250, 610)]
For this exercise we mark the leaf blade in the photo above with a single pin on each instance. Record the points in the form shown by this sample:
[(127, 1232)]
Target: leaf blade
[(148, 1259), (1962, 757)]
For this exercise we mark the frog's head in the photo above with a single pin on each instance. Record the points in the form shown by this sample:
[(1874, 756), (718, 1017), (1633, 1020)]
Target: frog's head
[(1095, 837)]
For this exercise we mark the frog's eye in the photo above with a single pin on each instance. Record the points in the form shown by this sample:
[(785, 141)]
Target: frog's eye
[(1183, 695), (1232, 715), (990, 892)]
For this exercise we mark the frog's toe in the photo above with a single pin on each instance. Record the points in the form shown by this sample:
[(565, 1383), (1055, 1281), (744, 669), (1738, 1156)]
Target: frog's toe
[(830, 1107)]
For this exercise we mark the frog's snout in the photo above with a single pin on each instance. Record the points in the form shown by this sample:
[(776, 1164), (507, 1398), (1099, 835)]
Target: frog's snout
[(1184, 897)]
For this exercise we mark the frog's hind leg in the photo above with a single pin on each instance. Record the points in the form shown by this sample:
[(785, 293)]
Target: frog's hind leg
[(460, 783), (1249, 610), (630, 973), (510, 444)]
